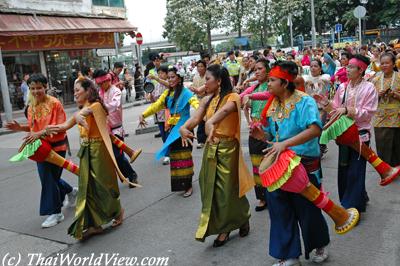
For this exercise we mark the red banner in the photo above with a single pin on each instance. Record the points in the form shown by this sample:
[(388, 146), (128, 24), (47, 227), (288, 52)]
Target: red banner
[(57, 42)]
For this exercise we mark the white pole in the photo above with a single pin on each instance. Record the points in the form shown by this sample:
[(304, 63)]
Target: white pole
[(359, 29), (339, 36), (291, 31), (314, 40), (4, 90)]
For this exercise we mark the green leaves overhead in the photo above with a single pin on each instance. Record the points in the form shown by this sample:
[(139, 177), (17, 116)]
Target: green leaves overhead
[(189, 22)]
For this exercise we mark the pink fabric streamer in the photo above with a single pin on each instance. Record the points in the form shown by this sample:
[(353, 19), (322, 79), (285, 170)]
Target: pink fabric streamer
[(182, 164)]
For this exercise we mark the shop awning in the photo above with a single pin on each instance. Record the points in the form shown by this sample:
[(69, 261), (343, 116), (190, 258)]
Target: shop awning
[(28, 25)]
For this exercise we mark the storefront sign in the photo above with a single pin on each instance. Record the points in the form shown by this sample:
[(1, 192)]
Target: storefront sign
[(57, 42)]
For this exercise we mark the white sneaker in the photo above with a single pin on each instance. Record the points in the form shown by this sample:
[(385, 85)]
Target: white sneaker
[(200, 145), (165, 161), (53, 220), (71, 198), (320, 255), (289, 262)]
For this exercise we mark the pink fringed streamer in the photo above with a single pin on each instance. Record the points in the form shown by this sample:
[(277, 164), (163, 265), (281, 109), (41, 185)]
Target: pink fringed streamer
[(182, 164), (255, 170), (278, 169), (298, 181)]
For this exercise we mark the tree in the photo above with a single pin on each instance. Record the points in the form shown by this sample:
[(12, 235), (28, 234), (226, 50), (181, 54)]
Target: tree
[(258, 20), (200, 16), (182, 29)]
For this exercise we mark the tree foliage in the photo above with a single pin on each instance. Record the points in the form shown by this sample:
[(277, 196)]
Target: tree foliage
[(189, 22)]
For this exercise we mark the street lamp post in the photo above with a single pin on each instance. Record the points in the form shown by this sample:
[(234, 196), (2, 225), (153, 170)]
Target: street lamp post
[(313, 38)]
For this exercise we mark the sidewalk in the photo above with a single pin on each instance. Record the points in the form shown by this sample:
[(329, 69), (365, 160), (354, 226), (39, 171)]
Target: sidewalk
[(69, 109)]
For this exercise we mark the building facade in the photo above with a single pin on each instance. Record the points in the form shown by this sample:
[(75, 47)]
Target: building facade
[(57, 38)]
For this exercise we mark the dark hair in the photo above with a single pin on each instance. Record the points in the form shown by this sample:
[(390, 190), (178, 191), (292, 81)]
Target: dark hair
[(93, 94), (392, 57), (163, 69), (201, 62), (292, 69), (99, 73), (177, 90), (85, 70), (319, 63), (363, 59), (220, 73), (204, 56), (347, 55), (149, 66), (229, 53), (254, 56), (118, 65), (265, 62), (236, 53), (37, 77)]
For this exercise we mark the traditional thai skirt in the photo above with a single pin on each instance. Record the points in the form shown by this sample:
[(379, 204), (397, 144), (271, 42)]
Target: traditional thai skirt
[(98, 193), (222, 209), (256, 148), (181, 166)]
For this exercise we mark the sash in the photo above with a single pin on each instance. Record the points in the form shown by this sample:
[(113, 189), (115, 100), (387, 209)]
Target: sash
[(183, 108)]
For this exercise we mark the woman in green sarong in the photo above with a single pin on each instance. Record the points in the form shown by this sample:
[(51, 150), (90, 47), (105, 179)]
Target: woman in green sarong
[(224, 178), (98, 200)]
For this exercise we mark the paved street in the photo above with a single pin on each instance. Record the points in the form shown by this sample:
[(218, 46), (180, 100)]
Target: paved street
[(162, 224)]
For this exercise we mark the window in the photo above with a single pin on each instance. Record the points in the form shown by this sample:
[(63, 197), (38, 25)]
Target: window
[(110, 3)]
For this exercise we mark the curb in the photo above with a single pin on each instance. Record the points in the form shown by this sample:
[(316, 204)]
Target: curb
[(145, 130)]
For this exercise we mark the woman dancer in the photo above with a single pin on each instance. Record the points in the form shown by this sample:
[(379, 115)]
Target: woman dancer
[(46, 110), (387, 119), (293, 121), (224, 178), (357, 99), (318, 84), (98, 200), (177, 101), (256, 147)]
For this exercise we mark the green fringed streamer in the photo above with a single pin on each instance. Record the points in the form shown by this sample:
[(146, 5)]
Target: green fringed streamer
[(336, 129), (28, 151), (294, 162)]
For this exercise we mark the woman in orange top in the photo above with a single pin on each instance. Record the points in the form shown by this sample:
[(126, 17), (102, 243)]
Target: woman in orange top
[(224, 178), (46, 110), (98, 201)]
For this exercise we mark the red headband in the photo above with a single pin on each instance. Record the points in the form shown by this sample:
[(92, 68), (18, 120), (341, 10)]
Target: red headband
[(359, 63), (278, 72), (102, 79)]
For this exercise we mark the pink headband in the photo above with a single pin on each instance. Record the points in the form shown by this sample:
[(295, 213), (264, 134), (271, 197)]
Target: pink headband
[(359, 63), (101, 79)]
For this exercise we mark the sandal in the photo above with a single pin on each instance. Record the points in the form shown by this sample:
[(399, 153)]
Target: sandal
[(220, 243), (91, 231), (188, 193), (118, 221)]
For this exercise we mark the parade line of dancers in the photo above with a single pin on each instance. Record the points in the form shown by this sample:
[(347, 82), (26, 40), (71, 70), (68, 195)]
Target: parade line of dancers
[(287, 129)]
